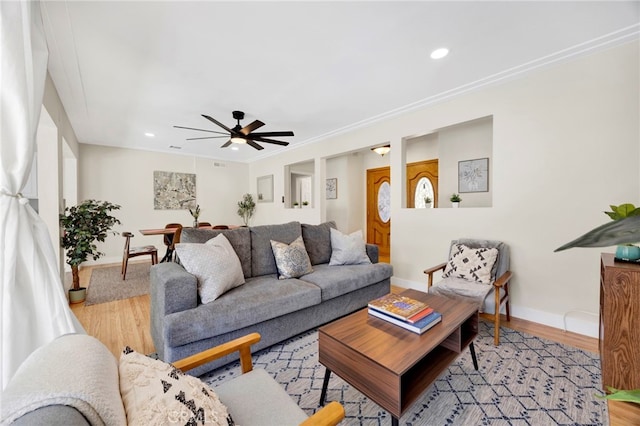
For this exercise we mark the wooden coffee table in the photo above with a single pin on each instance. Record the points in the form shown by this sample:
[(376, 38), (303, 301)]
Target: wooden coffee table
[(390, 365)]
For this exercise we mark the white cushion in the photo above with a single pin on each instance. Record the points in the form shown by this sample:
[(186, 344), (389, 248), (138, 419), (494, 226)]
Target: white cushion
[(292, 259), (348, 249), (155, 393), (473, 264), (215, 264)]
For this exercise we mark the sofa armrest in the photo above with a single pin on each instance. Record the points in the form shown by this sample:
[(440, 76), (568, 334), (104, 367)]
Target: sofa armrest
[(241, 344), (173, 289), (330, 415), (372, 252)]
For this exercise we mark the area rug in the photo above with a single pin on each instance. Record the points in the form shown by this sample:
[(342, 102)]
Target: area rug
[(524, 381), (106, 284)]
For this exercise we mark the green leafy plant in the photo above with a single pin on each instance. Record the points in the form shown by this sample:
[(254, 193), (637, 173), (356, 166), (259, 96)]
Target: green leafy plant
[(296, 204), (305, 203), (427, 200), (195, 212), (246, 208), (82, 226), (622, 395), (455, 198)]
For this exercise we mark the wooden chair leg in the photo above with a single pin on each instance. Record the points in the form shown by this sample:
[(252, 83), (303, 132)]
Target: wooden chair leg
[(124, 270)]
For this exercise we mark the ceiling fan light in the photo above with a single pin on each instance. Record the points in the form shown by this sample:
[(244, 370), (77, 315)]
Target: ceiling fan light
[(237, 139), (382, 150)]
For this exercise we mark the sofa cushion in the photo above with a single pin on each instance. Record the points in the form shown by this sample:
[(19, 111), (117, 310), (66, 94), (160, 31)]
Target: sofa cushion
[(348, 249), (338, 280), (215, 265), (157, 393), (268, 405), (259, 299), (239, 238), (262, 260), (292, 259), (317, 240)]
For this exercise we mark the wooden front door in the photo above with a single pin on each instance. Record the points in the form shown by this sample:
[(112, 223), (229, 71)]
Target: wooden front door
[(415, 172), (379, 210)]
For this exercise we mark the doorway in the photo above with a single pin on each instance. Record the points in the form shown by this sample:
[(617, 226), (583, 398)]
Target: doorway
[(379, 210), (422, 181)]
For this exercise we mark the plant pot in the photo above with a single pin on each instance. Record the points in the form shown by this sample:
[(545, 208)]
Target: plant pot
[(455, 204), (195, 223), (77, 296), (628, 252), (428, 205)]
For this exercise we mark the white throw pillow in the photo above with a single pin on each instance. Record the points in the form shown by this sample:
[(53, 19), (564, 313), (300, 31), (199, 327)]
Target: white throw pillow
[(473, 264), (156, 393), (348, 249), (214, 263), (292, 259)]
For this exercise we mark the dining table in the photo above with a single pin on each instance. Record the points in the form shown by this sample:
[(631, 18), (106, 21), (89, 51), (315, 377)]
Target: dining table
[(171, 231)]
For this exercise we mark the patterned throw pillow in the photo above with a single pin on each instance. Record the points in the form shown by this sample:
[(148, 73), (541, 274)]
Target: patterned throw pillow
[(292, 259), (348, 249), (472, 264), (215, 264), (155, 393)]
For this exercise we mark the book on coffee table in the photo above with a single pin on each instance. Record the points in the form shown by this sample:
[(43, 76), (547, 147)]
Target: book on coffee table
[(401, 307), (419, 326)]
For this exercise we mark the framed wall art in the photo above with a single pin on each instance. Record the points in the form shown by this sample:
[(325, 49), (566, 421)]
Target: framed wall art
[(174, 191), (332, 188), (473, 175)]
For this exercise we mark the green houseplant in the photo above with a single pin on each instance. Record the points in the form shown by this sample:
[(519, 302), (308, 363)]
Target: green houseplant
[(627, 251), (455, 199), (246, 208), (82, 226), (427, 202), (196, 214)]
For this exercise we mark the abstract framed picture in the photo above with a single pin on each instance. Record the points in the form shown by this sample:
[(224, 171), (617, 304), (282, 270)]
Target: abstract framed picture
[(174, 191), (473, 175), (332, 188)]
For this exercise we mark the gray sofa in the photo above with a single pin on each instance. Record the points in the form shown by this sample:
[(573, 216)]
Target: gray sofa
[(277, 309)]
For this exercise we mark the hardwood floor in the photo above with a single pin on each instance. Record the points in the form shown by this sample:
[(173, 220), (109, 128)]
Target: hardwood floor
[(126, 323)]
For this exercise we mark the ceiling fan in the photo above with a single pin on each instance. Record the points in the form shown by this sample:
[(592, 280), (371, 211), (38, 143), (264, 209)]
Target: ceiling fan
[(239, 134)]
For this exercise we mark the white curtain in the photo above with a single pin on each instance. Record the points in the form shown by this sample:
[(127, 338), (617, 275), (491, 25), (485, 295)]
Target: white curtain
[(34, 307)]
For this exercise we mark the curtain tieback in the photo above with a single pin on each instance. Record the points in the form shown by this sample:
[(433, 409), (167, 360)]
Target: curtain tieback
[(21, 198)]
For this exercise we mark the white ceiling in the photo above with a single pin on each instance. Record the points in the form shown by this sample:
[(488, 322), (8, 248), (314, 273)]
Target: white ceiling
[(316, 68)]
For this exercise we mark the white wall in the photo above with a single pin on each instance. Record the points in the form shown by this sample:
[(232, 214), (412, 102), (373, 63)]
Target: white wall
[(125, 177), (565, 146)]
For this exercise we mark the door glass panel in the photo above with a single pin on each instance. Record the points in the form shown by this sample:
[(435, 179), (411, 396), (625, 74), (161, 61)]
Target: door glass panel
[(384, 202), (424, 189)]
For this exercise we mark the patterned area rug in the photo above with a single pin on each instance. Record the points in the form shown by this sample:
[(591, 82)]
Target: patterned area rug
[(524, 381), (106, 284)]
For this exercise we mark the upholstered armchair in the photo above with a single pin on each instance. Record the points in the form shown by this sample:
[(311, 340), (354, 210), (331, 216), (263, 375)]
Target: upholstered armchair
[(476, 271), (75, 380)]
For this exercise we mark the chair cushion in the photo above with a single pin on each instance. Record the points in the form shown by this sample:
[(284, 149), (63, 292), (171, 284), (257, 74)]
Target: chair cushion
[(255, 398), (348, 249), (474, 264), (156, 393), (462, 289), (292, 259), (317, 240), (215, 264)]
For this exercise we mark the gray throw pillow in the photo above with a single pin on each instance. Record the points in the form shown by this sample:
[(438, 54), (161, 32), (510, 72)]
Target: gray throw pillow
[(292, 259), (215, 264), (348, 249)]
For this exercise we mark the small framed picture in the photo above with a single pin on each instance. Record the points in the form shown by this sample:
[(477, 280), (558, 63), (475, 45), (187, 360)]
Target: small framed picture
[(473, 175), (332, 188)]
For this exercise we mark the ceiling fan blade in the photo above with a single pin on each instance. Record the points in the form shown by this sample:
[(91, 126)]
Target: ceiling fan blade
[(213, 120), (208, 137), (202, 130), (251, 127), (270, 141), (285, 133), (253, 144), (226, 144)]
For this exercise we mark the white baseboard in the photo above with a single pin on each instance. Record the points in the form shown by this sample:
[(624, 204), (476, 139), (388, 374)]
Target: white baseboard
[(579, 322)]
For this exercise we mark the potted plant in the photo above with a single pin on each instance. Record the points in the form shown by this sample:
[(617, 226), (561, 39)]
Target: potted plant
[(82, 225), (626, 251), (246, 208), (196, 214), (305, 203), (428, 202), (455, 200), (296, 205)]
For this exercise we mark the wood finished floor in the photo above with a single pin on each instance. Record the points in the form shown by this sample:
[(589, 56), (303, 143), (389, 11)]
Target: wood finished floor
[(126, 323)]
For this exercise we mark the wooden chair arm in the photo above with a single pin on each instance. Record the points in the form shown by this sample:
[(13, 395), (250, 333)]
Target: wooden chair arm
[(241, 344), (330, 415), (430, 271), (503, 280)]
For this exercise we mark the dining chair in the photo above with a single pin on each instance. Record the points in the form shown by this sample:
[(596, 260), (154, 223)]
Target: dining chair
[(170, 241), (130, 252), (203, 224), (220, 227), (477, 271)]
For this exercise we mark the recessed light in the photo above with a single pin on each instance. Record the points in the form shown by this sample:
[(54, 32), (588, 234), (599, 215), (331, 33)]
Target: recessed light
[(235, 148), (149, 134), (439, 53)]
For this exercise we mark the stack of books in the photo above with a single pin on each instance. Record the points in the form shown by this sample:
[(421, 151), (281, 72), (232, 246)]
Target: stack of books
[(405, 312)]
